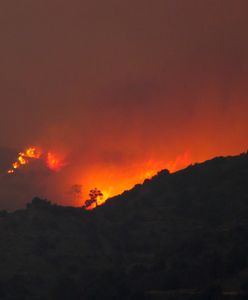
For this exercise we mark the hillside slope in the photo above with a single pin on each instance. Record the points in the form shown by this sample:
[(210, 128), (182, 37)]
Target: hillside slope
[(182, 231)]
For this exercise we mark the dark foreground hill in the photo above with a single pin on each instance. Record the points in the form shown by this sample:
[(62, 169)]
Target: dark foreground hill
[(177, 236)]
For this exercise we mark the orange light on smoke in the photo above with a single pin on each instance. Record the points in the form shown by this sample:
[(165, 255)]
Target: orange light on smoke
[(180, 162), (53, 162), (110, 179)]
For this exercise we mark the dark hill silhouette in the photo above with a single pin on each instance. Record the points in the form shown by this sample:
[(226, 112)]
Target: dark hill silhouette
[(182, 236)]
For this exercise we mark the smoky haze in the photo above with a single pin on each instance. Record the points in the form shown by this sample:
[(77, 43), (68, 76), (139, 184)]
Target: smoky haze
[(114, 84)]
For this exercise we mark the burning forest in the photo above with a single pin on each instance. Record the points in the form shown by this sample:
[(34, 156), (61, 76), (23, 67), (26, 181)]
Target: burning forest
[(60, 183)]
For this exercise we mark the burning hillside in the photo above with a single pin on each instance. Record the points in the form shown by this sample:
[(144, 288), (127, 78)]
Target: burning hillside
[(76, 182), (32, 153)]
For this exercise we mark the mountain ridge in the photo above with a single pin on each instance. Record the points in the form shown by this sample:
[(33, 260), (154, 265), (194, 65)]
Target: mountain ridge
[(186, 230)]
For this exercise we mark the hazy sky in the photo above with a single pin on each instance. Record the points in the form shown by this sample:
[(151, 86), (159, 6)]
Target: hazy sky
[(115, 82)]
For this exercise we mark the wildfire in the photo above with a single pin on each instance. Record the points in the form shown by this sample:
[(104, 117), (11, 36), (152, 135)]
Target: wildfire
[(53, 162), (105, 196), (109, 180), (97, 198), (180, 162), (115, 181), (31, 153), (24, 158)]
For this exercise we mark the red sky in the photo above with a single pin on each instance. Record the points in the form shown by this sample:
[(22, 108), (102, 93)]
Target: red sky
[(112, 86)]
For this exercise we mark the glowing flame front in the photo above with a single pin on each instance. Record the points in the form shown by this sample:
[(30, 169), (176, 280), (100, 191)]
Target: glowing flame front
[(24, 158), (110, 181)]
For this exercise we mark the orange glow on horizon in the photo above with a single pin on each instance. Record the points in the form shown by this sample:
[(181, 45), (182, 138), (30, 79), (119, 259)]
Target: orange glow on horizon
[(112, 182), (110, 179)]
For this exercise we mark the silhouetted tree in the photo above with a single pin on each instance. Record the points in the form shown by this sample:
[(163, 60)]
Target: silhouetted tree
[(94, 195)]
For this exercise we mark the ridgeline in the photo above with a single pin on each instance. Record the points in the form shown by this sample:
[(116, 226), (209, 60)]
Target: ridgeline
[(177, 236)]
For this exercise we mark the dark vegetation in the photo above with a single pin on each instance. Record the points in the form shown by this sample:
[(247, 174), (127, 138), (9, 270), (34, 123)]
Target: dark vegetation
[(177, 236)]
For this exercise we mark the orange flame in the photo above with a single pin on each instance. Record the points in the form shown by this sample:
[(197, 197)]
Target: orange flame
[(52, 161), (24, 158), (111, 181), (125, 180)]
